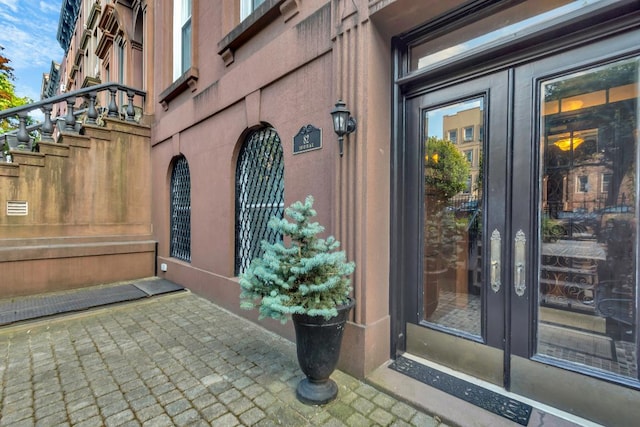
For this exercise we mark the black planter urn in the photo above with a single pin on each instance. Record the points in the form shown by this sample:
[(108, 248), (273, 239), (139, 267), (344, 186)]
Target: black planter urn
[(318, 342)]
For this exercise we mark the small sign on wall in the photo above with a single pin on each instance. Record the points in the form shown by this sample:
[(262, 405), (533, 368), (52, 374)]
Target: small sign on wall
[(309, 138)]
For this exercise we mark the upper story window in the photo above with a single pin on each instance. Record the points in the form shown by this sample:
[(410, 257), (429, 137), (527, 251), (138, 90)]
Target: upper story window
[(468, 134), (247, 7), (181, 37), (582, 184), (452, 136), (468, 154)]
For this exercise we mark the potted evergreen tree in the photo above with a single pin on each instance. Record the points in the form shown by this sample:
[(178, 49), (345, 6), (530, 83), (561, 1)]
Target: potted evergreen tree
[(306, 280)]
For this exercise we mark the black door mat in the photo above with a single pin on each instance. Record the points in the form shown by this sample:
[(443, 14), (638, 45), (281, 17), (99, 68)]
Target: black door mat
[(511, 409), (28, 308)]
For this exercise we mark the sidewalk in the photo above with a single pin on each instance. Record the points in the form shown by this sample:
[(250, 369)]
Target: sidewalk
[(175, 359)]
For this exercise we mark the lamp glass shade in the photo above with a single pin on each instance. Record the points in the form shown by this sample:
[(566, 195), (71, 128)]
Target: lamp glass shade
[(340, 123), (340, 116)]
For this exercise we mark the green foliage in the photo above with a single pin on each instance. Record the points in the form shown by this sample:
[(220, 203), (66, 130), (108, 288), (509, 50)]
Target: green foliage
[(309, 276), (446, 173), (446, 169), (552, 229), (8, 98)]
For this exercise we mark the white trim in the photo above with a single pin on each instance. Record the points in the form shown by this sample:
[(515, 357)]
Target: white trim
[(247, 7), (181, 14)]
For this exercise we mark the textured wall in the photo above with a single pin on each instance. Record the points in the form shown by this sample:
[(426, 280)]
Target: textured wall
[(89, 212)]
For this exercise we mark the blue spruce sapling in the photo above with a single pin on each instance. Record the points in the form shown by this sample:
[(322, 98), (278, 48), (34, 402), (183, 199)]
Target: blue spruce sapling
[(307, 277)]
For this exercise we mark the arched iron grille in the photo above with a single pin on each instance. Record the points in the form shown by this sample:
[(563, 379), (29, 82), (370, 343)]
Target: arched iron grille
[(181, 210), (259, 194)]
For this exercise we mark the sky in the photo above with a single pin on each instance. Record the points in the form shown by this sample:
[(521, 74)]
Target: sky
[(28, 30)]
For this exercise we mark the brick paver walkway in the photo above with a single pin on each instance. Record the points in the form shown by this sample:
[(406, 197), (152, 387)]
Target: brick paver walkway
[(172, 360)]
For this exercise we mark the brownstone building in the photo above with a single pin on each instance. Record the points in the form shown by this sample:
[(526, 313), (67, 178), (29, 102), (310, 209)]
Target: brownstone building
[(531, 289)]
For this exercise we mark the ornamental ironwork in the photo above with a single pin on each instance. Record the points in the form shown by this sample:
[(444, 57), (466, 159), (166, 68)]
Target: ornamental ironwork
[(181, 210), (259, 194)]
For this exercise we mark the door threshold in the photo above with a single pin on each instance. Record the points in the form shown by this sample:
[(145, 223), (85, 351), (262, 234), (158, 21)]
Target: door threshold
[(463, 411)]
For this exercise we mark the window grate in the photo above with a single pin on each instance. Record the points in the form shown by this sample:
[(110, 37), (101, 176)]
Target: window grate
[(181, 210), (259, 194)]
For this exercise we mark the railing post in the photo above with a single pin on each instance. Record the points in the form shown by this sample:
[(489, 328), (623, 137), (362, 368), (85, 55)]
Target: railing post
[(23, 135), (70, 119), (47, 126), (131, 112), (113, 107), (92, 114)]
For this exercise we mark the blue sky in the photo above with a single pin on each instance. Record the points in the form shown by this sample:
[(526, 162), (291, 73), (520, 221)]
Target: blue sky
[(28, 30)]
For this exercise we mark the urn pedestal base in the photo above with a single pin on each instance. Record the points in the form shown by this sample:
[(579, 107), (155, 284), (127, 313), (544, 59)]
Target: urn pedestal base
[(316, 392)]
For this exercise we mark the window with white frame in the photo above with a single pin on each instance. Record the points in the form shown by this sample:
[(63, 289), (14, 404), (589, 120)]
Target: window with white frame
[(582, 184), (181, 37), (468, 154), (247, 7), (468, 134), (452, 135)]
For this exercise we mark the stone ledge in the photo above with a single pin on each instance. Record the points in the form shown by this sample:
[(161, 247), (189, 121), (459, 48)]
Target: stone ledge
[(53, 149), (186, 81), (75, 140), (74, 250), (9, 169), (27, 158)]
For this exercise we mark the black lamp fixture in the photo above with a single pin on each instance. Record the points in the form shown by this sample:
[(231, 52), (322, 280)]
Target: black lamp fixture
[(343, 123)]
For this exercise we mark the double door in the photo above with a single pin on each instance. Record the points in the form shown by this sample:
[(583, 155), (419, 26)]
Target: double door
[(520, 194)]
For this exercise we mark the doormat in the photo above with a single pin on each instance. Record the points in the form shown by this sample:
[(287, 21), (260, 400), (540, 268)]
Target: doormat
[(496, 403), (38, 306)]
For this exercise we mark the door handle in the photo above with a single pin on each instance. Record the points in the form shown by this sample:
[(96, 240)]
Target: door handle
[(520, 263), (495, 260)]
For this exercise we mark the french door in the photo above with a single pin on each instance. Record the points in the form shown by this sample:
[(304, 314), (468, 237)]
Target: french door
[(519, 192)]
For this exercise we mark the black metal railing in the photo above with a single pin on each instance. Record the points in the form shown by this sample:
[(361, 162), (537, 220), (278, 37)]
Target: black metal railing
[(20, 139)]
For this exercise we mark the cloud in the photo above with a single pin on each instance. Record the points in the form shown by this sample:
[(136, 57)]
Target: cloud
[(48, 8), (11, 4), (29, 29)]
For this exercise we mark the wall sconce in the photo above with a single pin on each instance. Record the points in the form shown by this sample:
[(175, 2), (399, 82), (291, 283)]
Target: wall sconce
[(343, 123)]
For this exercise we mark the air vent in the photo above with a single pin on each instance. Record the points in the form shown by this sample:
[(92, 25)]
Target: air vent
[(17, 208)]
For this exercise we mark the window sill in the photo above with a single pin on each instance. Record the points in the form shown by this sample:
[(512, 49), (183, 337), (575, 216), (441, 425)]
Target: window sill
[(265, 14), (187, 80)]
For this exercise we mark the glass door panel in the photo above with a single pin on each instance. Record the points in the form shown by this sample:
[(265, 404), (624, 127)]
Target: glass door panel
[(588, 248), (452, 284), (453, 315)]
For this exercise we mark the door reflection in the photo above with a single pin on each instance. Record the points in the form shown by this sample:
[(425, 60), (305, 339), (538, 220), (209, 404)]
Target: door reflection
[(453, 216), (587, 286)]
